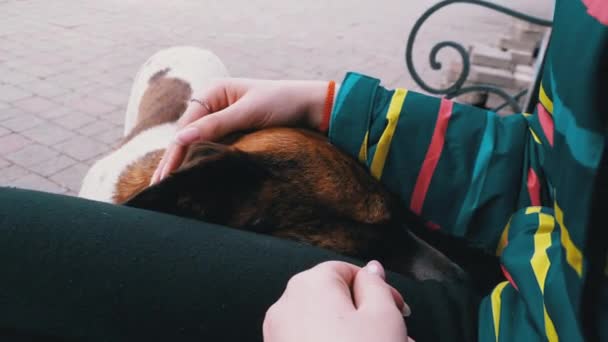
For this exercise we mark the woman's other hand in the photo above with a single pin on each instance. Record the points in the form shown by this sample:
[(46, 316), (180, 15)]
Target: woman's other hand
[(337, 301)]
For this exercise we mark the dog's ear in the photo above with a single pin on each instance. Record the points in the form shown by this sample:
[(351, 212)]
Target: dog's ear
[(209, 185)]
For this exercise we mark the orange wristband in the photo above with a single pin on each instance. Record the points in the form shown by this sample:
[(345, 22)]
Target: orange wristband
[(329, 103)]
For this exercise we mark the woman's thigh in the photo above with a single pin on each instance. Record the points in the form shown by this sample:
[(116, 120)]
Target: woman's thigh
[(75, 269)]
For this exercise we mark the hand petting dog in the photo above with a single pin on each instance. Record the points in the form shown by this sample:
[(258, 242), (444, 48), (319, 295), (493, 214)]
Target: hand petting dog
[(236, 104)]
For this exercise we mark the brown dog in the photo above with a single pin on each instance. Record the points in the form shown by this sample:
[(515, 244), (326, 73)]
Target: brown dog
[(289, 183)]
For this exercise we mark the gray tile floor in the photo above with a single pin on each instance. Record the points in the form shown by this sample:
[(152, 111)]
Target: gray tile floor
[(66, 66)]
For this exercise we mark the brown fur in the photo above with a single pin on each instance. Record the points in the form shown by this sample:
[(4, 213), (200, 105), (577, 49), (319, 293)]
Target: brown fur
[(136, 177), (285, 182), (164, 101)]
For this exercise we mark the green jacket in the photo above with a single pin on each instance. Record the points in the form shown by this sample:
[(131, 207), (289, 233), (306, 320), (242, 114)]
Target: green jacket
[(519, 185)]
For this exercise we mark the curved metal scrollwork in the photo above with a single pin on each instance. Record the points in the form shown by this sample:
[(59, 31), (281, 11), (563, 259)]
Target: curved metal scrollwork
[(457, 89)]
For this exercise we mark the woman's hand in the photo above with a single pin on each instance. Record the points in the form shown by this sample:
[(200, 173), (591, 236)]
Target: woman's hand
[(234, 104), (337, 301)]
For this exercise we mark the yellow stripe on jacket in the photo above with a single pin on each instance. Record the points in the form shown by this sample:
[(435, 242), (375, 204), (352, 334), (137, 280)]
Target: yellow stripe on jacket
[(496, 306), (540, 265), (574, 256), (545, 100), (384, 145)]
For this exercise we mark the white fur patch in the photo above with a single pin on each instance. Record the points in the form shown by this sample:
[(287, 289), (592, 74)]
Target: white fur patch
[(195, 66), (100, 182)]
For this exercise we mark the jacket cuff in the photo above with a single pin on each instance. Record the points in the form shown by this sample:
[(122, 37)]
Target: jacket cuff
[(351, 114)]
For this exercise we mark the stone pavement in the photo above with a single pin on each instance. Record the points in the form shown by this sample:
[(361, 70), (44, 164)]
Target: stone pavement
[(66, 66)]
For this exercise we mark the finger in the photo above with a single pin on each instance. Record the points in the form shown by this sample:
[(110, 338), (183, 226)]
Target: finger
[(345, 272), (209, 127), (155, 175), (371, 292), (329, 283), (400, 302), (211, 99), (198, 107), (173, 153), (175, 157), (217, 125), (159, 168), (376, 268)]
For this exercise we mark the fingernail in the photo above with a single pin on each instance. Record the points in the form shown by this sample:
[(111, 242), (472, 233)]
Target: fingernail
[(406, 310), (153, 179), (164, 172), (374, 267), (187, 136)]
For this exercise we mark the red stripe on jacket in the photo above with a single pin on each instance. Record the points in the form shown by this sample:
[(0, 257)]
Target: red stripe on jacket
[(432, 157), (533, 188), (546, 122)]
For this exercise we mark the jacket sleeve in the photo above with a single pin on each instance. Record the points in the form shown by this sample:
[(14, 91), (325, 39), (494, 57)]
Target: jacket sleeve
[(458, 167)]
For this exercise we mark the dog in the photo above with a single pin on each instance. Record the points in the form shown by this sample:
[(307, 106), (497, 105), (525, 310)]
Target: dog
[(286, 182)]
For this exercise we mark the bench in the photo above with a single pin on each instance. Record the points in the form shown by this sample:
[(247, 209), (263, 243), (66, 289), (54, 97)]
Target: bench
[(504, 78)]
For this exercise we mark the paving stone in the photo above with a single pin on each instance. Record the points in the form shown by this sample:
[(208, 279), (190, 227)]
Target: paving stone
[(116, 117), (82, 148), (71, 178), (55, 112), (22, 122), (524, 31), (9, 112), (44, 58), (74, 120), (40, 71), (525, 69), (111, 137), (10, 93), (69, 80), (521, 57), (53, 165), (45, 89), (523, 79), (91, 105), (37, 183), (109, 79), (90, 90), (48, 134), (12, 142), (8, 174), (492, 57), (35, 105), (31, 155), (97, 127), (17, 78), (4, 163), (510, 43), (113, 97), (485, 75), (4, 131)]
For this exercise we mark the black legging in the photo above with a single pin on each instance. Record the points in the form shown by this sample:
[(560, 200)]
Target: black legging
[(78, 270)]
